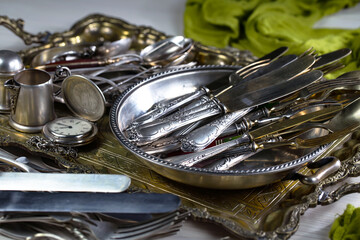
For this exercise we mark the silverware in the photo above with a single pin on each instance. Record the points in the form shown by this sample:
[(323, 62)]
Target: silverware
[(63, 182), (194, 158), (205, 135), (346, 118), (111, 49), (321, 90), (310, 143), (129, 203), (249, 121), (163, 225), (88, 226), (331, 57), (163, 108), (238, 100)]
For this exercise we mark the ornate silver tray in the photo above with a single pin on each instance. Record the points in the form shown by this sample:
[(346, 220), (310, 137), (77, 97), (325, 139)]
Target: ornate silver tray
[(247, 213)]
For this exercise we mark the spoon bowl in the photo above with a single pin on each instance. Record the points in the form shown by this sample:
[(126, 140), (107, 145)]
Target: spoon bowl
[(112, 49)]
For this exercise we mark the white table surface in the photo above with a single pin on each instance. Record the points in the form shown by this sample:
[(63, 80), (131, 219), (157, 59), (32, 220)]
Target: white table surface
[(165, 16)]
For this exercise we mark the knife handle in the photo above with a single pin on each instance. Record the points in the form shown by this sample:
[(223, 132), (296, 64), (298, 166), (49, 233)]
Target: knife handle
[(202, 137), (163, 145), (231, 161), (256, 118), (147, 133), (171, 143), (191, 159), (163, 108)]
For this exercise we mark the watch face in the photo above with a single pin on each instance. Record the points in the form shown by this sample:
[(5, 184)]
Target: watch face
[(70, 131)]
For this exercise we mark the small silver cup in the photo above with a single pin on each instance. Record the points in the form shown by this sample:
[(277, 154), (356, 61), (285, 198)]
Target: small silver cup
[(32, 100)]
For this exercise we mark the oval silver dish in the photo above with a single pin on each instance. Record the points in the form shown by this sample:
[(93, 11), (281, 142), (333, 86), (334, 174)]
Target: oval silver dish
[(263, 168)]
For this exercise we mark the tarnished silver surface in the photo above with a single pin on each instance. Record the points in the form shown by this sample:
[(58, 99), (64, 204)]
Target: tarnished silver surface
[(264, 168), (10, 64), (60, 182), (32, 101), (83, 97)]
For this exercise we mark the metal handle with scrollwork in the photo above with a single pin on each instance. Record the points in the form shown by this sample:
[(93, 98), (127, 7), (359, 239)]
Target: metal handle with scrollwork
[(203, 136), (146, 133), (227, 163), (17, 27), (191, 159), (164, 108)]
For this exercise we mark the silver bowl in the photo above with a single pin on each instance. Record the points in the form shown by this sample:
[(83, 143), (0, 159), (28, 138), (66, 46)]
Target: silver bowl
[(263, 168)]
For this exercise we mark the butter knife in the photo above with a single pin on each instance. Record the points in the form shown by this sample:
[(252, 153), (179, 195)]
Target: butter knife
[(63, 182)]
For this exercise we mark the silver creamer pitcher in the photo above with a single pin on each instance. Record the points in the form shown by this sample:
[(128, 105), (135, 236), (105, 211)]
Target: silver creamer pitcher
[(32, 101)]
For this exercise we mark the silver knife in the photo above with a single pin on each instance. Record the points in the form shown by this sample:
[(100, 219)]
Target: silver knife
[(331, 57), (233, 99), (63, 182), (126, 203)]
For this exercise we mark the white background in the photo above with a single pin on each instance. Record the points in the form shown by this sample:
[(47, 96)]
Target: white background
[(165, 16)]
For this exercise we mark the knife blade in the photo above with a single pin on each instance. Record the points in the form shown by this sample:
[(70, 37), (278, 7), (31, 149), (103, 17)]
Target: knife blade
[(274, 54), (126, 203), (63, 182), (331, 57), (233, 98), (196, 157), (239, 97)]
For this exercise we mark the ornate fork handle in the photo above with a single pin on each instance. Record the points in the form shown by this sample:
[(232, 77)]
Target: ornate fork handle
[(17, 27)]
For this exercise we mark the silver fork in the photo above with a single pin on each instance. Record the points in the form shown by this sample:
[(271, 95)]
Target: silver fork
[(160, 226)]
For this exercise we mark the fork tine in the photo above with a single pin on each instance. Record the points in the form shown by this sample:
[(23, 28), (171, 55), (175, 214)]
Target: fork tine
[(160, 227), (332, 67), (149, 223), (248, 68), (161, 231), (252, 70), (252, 65), (307, 52)]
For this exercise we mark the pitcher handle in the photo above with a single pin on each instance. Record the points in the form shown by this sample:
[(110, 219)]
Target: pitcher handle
[(14, 89)]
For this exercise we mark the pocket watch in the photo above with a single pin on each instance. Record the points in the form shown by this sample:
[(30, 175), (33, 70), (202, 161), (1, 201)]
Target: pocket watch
[(87, 102), (70, 131)]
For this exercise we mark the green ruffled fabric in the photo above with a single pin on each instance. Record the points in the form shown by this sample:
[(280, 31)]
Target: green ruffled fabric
[(346, 226), (263, 25)]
